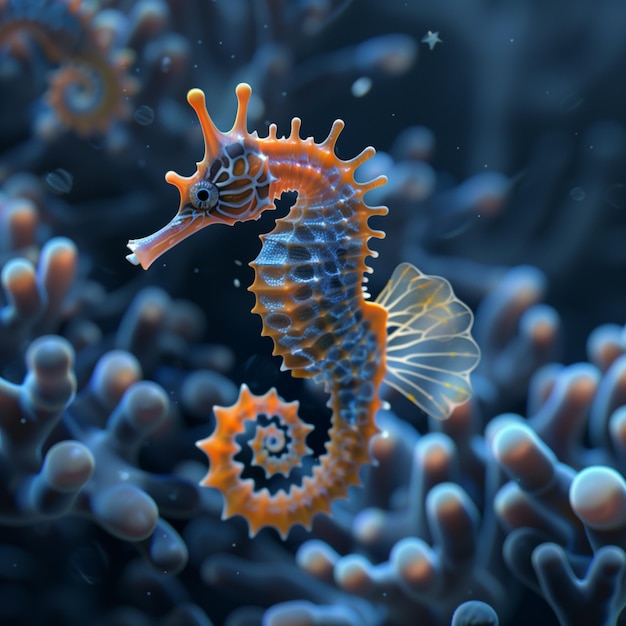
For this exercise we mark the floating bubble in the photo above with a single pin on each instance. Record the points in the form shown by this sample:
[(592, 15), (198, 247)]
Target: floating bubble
[(144, 115), (59, 181), (577, 194)]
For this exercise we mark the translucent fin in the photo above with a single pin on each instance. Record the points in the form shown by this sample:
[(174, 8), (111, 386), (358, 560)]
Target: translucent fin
[(430, 352)]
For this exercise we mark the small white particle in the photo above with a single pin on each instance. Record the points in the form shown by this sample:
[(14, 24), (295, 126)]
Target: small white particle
[(361, 86), (431, 39)]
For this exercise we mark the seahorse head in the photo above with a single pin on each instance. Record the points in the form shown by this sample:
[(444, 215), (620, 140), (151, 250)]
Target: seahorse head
[(231, 183)]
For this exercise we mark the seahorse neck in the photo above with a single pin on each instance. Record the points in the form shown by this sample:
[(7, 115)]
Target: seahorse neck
[(305, 168)]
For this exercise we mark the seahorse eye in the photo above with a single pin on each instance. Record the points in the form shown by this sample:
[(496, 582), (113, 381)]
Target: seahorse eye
[(203, 195)]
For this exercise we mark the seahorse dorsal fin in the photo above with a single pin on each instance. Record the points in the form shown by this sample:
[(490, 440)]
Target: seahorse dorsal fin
[(430, 351)]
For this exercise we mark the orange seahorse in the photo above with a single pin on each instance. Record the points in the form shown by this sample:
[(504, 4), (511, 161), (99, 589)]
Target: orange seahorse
[(90, 88), (309, 293)]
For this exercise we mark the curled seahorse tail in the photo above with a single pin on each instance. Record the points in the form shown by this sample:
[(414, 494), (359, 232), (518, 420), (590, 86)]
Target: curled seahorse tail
[(284, 436)]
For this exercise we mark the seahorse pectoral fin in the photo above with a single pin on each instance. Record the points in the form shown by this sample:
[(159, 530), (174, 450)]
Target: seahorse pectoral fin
[(430, 351)]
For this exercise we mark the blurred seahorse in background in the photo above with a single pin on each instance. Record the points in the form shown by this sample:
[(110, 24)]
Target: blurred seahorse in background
[(90, 88), (310, 295)]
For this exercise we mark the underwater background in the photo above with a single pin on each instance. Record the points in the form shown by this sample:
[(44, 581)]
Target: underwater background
[(501, 129)]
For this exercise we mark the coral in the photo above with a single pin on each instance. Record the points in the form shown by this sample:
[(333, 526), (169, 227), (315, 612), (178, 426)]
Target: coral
[(94, 474), (564, 509)]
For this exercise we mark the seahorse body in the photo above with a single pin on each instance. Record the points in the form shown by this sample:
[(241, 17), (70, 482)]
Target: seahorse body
[(308, 287), (90, 88)]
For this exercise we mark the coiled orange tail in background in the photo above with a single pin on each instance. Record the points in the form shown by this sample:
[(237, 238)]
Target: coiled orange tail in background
[(90, 88)]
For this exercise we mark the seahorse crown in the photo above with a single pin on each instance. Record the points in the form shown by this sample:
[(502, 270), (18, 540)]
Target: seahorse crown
[(232, 181)]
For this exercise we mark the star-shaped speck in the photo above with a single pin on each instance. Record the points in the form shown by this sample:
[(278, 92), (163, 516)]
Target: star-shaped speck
[(432, 39)]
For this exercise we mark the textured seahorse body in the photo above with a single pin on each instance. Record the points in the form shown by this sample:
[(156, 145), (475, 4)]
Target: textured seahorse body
[(309, 272), (308, 285)]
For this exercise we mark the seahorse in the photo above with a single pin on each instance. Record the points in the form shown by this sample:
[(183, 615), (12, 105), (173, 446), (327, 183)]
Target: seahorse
[(90, 88), (310, 295)]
